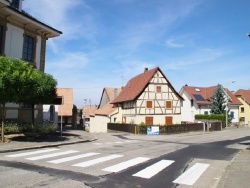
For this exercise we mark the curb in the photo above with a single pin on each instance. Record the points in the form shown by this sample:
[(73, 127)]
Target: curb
[(45, 146)]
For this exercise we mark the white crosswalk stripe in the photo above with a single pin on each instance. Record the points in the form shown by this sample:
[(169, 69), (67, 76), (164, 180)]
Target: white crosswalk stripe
[(189, 177), (96, 161), (31, 153), (126, 164), (66, 159), (192, 174), (153, 169), (52, 155)]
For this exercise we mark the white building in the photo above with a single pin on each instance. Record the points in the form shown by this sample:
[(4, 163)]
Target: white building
[(24, 37), (149, 98), (197, 101)]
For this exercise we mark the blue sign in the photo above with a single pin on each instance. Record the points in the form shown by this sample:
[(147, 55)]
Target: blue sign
[(153, 130)]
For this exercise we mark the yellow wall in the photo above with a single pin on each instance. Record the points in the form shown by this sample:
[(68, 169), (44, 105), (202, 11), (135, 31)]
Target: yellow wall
[(246, 112)]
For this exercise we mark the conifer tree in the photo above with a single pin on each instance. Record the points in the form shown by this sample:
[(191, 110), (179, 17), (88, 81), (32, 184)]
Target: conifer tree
[(218, 101)]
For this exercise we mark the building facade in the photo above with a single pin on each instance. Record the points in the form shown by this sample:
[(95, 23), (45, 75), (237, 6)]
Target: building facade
[(149, 98), (197, 101), (23, 37)]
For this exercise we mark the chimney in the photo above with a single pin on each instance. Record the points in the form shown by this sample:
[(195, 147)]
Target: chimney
[(145, 69), (115, 93)]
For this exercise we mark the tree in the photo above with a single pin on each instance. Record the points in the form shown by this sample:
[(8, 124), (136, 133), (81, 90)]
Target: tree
[(218, 101), (40, 89), (13, 75)]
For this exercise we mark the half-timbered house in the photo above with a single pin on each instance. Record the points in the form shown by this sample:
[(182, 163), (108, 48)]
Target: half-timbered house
[(149, 98)]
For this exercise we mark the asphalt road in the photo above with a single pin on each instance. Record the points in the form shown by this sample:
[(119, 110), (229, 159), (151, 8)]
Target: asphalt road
[(210, 153)]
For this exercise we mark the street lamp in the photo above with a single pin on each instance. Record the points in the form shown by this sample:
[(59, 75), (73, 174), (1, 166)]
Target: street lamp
[(227, 104)]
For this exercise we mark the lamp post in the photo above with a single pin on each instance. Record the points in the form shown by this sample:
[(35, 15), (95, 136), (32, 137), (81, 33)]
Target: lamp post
[(227, 106)]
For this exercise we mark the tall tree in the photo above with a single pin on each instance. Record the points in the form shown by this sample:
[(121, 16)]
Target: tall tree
[(42, 89), (218, 101), (13, 75)]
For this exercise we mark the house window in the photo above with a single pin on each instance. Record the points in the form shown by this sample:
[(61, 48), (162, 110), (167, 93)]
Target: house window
[(149, 104), (1, 39), (206, 112), (242, 109), (168, 104), (168, 120), (149, 120), (28, 48), (232, 114), (192, 102), (158, 89), (15, 3)]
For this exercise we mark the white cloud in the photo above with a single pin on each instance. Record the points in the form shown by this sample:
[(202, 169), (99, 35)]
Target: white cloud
[(74, 18), (172, 44)]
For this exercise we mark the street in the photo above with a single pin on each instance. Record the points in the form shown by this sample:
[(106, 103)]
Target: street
[(127, 160)]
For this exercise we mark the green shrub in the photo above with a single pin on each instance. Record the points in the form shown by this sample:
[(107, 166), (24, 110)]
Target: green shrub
[(11, 127), (39, 128), (142, 124), (219, 117)]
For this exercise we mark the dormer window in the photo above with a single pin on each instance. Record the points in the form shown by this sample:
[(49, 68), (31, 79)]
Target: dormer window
[(197, 89)]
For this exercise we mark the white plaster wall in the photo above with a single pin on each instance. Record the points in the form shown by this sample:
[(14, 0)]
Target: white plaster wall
[(234, 109), (187, 112), (158, 119), (98, 124), (14, 42)]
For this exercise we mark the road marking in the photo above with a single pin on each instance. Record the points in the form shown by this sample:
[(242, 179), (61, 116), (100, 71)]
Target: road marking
[(192, 174), (126, 164), (51, 155), (66, 159), (118, 142), (153, 169), (97, 143), (31, 153), (96, 161)]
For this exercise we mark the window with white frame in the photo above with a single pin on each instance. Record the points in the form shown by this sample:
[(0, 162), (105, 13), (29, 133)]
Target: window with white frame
[(28, 48)]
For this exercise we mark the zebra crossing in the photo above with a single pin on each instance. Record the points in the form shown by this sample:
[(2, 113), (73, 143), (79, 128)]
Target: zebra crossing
[(115, 143), (189, 177)]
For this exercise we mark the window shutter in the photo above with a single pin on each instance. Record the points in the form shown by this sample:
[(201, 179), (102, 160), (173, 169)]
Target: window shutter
[(149, 120), (168, 120)]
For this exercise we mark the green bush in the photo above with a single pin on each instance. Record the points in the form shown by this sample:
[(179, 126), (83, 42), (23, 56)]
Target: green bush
[(11, 127), (219, 117), (39, 128)]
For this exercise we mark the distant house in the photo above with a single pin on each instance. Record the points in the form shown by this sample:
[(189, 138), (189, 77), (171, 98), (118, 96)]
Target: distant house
[(197, 101), (244, 109), (88, 111), (24, 37), (106, 111), (62, 112), (149, 98)]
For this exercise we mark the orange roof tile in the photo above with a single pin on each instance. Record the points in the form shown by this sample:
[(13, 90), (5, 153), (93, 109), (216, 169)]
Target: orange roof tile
[(136, 86), (89, 110), (108, 108), (206, 93), (244, 94)]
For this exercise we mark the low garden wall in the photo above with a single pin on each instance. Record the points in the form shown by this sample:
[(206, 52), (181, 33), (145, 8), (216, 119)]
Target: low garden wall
[(166, 129)]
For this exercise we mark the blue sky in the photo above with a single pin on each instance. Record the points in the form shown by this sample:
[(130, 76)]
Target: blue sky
[(107, 42)]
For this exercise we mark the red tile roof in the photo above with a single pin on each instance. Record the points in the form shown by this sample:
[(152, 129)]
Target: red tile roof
[(206, 93), (137, 85), (89, 110), (244, 94), (108, 108)]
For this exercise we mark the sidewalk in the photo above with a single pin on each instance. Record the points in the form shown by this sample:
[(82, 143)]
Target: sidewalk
[(237, 174), (19, 142)]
